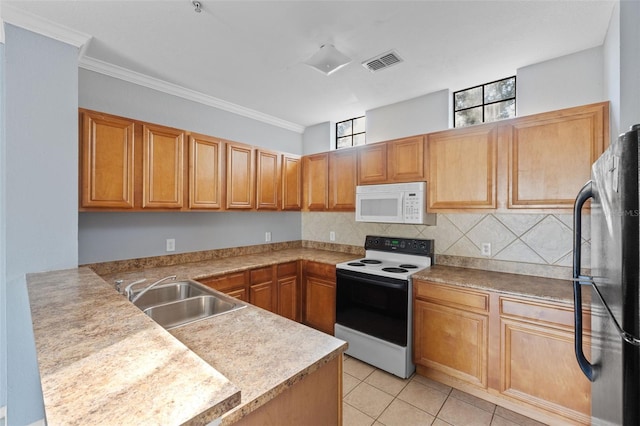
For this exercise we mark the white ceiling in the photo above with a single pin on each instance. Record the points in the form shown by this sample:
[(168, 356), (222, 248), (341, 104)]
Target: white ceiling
[(251, 53)]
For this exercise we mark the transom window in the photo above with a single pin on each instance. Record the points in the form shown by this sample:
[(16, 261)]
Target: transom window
[(485, 103), (350, 132)]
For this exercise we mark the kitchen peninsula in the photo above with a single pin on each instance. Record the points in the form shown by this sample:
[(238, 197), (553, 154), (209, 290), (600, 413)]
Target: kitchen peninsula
[(103, 361)]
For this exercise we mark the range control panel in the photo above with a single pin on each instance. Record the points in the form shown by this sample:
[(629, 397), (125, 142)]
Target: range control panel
[(399, 245)]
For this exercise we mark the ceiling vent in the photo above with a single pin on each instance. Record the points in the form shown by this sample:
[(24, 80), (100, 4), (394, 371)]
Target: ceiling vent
[(382, 61)]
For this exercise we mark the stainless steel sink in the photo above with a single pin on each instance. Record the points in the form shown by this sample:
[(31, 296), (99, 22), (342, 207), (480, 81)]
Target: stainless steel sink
[(170, 292), (183, 302)]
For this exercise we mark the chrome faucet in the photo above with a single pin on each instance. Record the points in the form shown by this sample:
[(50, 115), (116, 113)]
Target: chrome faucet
[(128, 292), (146, 289)]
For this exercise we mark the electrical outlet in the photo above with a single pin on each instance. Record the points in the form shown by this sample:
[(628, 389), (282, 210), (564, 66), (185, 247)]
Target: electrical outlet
[(171, 244), (332, 236), (486, 249), (267, 236)]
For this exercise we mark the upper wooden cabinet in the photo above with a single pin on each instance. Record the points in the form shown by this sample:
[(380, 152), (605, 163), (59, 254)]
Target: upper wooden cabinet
[(395, 161), (205, 172), (267, 179), (405, 160), (291, 188), (550, 155), (462, 168), (342, 179), (162, 167), (240, 176), (316, 181), (106, 161), (372, 163)]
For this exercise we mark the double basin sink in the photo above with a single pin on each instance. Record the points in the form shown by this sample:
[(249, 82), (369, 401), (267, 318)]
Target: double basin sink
[(178, 303)]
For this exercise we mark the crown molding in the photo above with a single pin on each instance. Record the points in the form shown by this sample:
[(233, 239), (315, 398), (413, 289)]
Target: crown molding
[(125, 74), (23, 19)]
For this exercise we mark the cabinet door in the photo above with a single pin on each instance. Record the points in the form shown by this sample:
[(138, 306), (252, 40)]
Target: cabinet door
[(267, 180), (163, 167), (288, 291), (316, 181), (537, 361), (261, 289), (240, 176), (406, 160), (462, 166), (342, 180), (235, 285), (205, 172), (550, 155), (452, 341), (291, 182), (372, 163), (107, 167), (320, 296)]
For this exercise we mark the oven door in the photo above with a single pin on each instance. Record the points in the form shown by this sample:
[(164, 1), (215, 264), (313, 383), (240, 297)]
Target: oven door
[(376, 306)]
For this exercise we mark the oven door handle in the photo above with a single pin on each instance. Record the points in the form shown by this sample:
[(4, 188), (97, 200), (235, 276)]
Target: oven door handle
[(373, 280)]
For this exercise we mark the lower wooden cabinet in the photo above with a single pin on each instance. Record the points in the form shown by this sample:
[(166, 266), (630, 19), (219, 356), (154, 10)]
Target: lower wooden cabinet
[(319, 286), (288, 291), (449, 338), (513, 351), (235, 284), (261, 289)]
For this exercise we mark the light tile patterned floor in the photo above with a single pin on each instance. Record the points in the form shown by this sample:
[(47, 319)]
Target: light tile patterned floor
[(375, 397)]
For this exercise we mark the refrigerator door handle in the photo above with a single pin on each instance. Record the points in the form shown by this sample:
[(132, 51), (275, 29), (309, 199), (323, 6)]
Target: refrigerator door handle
[(579, 280)]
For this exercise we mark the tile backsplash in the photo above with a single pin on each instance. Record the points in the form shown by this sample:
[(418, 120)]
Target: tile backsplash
[(520, 242)]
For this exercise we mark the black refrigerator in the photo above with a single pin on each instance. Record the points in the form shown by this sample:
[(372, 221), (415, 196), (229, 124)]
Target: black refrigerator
[(613, 365)]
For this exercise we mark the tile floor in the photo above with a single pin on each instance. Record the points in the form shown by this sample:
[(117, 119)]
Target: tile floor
[(375, 397)]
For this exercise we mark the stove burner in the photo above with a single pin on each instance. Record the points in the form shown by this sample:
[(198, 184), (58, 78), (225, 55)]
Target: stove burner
[(371, 261), (356, 264), (396, 270), (407, 266)]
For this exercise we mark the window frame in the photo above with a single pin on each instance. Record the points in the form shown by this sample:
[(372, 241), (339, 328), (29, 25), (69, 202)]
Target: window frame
[(484, 104), (352, 133)]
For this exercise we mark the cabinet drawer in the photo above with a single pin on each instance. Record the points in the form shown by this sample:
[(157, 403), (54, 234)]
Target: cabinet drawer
[(321, 269), (261, 275), (453, 297), (226, 282), (287, 269), (541, 312)]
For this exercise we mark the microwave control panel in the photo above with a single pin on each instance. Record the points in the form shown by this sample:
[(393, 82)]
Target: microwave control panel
[(413, 208)]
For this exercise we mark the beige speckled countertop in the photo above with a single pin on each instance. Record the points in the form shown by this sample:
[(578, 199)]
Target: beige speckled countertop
[(92, 343), (102, 361), (514, 284)]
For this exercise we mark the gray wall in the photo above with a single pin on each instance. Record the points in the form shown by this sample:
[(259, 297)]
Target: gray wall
[(40, 193), (3, 286), (319, 138), (563, 82), (424, 114), (629, 64), (127, 235), (113, 236)]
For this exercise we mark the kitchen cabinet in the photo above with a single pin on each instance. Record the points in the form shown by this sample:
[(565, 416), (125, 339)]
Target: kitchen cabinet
[(462, 169), (267, 179), (342, 180), (550, 155), (262, 288), (234, 284), (406, 160), (319, 298), (451, 331), (206, 156), (372, 163), (316, 181), (291, 182), (106, 161), (537, 361), (514, 351), (240, 176), (162, 167), (288, 291)]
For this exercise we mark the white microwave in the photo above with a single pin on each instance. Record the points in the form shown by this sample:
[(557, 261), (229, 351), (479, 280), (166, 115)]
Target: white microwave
[(393, 203)]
